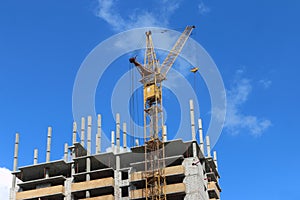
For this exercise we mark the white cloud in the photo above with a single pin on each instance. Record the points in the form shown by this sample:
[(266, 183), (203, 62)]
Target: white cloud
[(5, 183), (107, 13), (139, 17), (265, 83), (203, 9), (236, 121)]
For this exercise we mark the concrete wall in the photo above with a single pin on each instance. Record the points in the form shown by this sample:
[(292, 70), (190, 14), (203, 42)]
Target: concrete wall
[(194, 180)]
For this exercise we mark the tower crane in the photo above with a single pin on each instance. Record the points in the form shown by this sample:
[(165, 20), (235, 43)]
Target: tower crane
[(153, 74)]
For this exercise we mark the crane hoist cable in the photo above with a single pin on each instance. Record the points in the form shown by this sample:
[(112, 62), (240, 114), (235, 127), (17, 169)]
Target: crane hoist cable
[(134, 96)]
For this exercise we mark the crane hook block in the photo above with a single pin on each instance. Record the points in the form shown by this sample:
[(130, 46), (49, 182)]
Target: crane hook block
[(132, 59), (194, 70)]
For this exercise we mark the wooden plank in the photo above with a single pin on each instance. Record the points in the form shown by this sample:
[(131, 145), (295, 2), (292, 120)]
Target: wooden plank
[(169, 171), (41, 192), (211, 186), (104, 182), (169, 189)]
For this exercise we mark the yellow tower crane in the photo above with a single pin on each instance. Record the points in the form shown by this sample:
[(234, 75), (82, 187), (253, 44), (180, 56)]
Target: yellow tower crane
[(153, 74)]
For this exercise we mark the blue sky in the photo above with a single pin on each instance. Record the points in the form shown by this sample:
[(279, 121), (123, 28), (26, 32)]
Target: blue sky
[(255, 45)]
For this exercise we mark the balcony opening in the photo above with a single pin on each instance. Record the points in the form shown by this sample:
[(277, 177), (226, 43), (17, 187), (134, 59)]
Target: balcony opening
[(125, 192), (124, 175)]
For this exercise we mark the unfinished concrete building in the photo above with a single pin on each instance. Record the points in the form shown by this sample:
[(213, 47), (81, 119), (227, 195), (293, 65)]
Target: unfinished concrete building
[(158, 169), (189, 173)]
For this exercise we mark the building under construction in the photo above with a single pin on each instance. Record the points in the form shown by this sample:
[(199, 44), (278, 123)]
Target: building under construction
[(157, 169)]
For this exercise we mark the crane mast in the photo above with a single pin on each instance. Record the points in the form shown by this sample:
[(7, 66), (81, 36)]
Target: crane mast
[(153, 74)]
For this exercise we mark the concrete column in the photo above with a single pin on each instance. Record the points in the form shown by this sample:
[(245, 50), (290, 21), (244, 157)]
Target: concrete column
[(73, 154), (73, 163), (194, 180), (118, 132), (16, 152), (89, 133), (113, 141), (74, 132), (215, 159), (194, 145), (87, 193), (89, 149), (98, 136), (15, 167), (192, 116), (208, 146), (97, 143), (66, 152), (73, 148), (82, 134), (49, 144), (201, 135), (68, 189), (118, 164), (117, 190), (35, 156), (137, 142), (124, 136), (46, 172), (82, 139), (164, 133)]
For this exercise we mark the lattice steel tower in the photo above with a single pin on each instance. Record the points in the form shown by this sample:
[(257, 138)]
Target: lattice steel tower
[(153, 74)]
